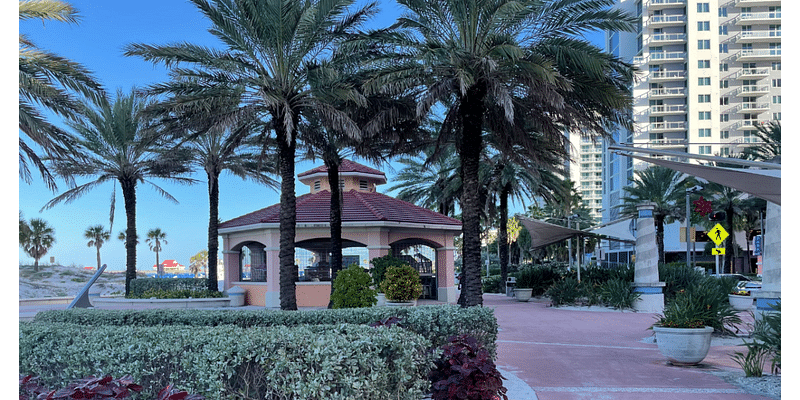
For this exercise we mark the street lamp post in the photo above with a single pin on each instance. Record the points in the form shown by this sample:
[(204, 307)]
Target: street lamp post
[(689, 191)]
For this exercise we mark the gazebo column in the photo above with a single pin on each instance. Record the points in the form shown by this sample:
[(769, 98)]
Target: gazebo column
[(231, 262), (272, 296), (445, 273), (770, 292)]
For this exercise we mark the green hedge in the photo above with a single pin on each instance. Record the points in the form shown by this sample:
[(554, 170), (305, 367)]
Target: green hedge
[(141, 285), (436, 323), (228, 362)]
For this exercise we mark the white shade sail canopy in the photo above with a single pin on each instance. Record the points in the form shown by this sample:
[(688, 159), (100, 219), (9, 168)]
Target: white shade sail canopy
[(545, 233)]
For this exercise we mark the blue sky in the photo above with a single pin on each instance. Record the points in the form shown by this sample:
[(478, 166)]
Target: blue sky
[(96, 42)]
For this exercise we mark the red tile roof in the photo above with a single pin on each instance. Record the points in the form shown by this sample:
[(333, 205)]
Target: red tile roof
[(346, 166), (357, 207)]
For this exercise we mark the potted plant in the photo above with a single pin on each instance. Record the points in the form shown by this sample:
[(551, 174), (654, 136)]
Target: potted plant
[(683, 331), (524, 285), (378, 270), (401, 285), (740, 300)]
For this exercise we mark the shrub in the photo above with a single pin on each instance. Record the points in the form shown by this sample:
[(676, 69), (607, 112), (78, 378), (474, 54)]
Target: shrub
[(766, 345), (141, 285), (351, 289), (227, 362), (435, 323), (566, 291), (401, 284), (492, 284), (698, 306), (678, 276), (465, 370), (380, 265), (538, 278), (176, 294), (618, 293), (86, 388)]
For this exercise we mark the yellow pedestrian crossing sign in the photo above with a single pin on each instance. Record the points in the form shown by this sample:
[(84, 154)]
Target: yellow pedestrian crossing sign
[(717, 234), (718, 251)]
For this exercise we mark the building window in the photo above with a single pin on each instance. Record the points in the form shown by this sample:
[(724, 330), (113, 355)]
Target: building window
[(723, 101), (724, 134), (723, 67), (776, 99), (703, 26), (703, 44), (703, 63), (704, 98), (723, 84), (341, 184), (703, 7), (704, 132), (725, 152), (723, 47), (723, 12), (362, 184), (776, 82), (723, 29), (776, 66), (776, 116), (724, 117), (704, 115), (704, 81), (316, 185), (705, 149)]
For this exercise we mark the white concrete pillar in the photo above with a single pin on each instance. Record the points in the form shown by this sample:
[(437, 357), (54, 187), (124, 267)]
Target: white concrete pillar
[(646, 281), (770, 292)]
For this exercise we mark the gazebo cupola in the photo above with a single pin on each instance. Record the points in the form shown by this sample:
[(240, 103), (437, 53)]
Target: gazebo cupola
[(352, 176)]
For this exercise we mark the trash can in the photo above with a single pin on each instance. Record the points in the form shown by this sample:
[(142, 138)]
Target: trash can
[(511, 282), (236, 294)]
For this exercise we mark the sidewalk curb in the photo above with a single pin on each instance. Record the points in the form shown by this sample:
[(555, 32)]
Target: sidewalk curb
[(517, 388)]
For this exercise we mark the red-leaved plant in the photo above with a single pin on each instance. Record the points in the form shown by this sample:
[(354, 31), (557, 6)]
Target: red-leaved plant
[(387, 322), (92, 388), (466, 371)]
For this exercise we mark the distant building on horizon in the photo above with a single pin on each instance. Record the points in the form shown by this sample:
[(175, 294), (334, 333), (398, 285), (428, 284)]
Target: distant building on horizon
[(171, 267)]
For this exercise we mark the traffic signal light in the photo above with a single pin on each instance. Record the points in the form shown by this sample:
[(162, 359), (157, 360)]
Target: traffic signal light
[(717, 216)]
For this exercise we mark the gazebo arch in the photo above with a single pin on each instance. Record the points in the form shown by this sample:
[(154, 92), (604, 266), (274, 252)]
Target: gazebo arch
[(369, 219)]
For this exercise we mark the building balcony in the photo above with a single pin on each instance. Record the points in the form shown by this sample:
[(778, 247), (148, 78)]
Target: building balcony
[(765, 54), (756, 3), (667, 126), (667, 38), (748, 124), (667, 56), (671, 92), (752, 90), (667, 75), (759, 36), (749, 108), (662, 4), (666, 20), (758, 18), (752, 73), (668, 109), (661, 143)]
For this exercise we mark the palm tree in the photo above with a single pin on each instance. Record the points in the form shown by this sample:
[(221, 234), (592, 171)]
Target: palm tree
[(770, 146), (515, 68), (435, 185), (155, 237), (666, 189), (274, 52), (48, 81), (97, 236), (38, 241), (24, 229), (120, 146), (199, 262)]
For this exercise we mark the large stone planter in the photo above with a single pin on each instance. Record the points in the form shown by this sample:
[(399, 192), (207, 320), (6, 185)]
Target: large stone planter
[(523, 294), (684, 346), (410, 303), (740, 303)]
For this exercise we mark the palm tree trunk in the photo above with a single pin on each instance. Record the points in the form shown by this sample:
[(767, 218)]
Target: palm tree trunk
[(469, 149), (159, 267), (729, 240), (213, 229), (129, 194), (98, 257), (659, 221), (288, 215), (36, 264), (502, 237), (336, 222)]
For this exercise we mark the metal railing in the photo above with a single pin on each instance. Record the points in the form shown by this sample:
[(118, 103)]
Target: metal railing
[(745, 17), (667, 109), (760, 53), (664, 126), (668, 74), (752, 72), (673, 55), (668, 92)]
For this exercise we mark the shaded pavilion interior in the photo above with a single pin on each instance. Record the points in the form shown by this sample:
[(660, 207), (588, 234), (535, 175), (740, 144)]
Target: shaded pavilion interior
[(373, 225)]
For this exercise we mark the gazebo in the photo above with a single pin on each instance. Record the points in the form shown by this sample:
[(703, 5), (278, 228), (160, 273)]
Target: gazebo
[(378, 223)]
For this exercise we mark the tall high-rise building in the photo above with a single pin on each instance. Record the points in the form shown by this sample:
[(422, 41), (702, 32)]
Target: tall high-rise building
[(586, 171), (709, 73)]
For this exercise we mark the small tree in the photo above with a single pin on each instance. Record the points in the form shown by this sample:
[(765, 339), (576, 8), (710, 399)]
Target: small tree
[(97, 236), (351, 289), (38, 241), (401, 284), (198, 262), (154, 239)]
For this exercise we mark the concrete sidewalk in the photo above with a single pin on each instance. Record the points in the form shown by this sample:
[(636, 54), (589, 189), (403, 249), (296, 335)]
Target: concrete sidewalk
[(565, 354)]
